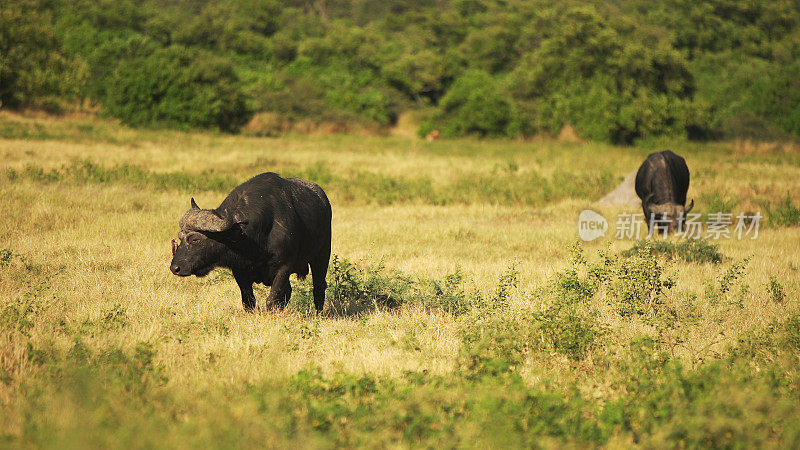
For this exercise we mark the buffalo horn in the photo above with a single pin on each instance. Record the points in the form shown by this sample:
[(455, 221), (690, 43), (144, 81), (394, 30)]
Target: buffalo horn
[(204, 220)]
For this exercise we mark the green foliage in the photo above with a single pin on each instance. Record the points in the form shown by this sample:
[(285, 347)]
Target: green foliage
[(176, 86), (611, 84), (449, 295), (6, 256), (718, 202), (639, 283), (506, 389), (474, 105), (89, 172), (792, 327), (353, 289), (356, 185), (19, 314), (115, 317), (775, 98), (727, 280), (570, 332), (691, 408), (735, 272), (568, 322), (785, 214), (505, 285), (33, 68), (776, 290), (615, 71), (689, 250)]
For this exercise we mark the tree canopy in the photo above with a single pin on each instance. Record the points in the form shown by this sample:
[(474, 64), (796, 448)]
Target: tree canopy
[(614, 70)]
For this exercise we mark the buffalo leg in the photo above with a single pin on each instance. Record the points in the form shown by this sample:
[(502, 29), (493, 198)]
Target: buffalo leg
[(246, 286), (281, 290), (319, 270), (283, 301)]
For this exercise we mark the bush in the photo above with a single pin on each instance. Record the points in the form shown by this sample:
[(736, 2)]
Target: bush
[(568, 323), (634, 281), (571, 332), (33, 68), (353, 289), (474, 105), (177, 87), (603, 80), (785, 214), (689, 250), (449, 295), (776, 291), (776, 98), (725, 283)]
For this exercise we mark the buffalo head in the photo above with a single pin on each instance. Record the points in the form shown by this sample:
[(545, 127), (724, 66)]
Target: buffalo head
[(669, 215), (199, 246)]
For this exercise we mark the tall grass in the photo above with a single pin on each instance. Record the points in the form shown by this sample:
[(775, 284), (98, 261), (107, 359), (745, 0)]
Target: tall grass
[(459, 311)]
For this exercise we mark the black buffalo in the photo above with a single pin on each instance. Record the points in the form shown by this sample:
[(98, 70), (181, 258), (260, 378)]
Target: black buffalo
[(265, 230), (661, 183)]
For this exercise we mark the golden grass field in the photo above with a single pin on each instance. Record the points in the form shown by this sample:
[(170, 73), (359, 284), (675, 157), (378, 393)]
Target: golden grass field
[(86, 273)]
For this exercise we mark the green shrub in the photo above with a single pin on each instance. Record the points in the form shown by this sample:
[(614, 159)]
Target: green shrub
[(637, 282), (570, 331), (634, 280), (591, 73), (177, 87), (776, 291), (353, 289), (449, 295), (493, 345), (689, 250), (568, 323), (747, 125), (474, 105), (785, 214), (34, 71), (730, 278), (775, 98), (419, 74), (718, 202)]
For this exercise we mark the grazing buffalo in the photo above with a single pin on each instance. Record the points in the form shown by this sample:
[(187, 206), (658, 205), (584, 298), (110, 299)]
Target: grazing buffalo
[(265, 230), (661, 183)]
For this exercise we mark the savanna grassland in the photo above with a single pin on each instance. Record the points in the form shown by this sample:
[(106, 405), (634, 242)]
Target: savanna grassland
[(461, 310)]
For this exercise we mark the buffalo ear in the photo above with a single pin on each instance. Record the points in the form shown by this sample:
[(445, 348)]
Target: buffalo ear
[(239, 218), (194, 204)]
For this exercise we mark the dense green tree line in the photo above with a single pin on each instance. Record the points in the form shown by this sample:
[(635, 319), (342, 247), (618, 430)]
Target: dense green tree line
[(615, 70)]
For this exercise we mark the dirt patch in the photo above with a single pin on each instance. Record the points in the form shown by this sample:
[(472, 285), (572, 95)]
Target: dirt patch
[(406, 126), (624, 194), (568, 134)]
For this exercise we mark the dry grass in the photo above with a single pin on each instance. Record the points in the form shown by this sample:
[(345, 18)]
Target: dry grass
[(83, 250)]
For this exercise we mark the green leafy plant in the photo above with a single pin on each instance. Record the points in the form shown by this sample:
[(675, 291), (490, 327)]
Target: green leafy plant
[(179, 87), (689, 250), (776, 290), (785, 214), (474, 105)]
